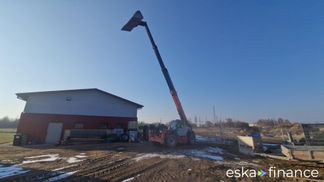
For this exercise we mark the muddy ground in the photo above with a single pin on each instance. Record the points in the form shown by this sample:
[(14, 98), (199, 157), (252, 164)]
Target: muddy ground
[(134, 162)]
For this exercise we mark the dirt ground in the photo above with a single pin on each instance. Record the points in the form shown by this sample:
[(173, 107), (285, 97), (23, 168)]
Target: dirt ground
[(134, 162)]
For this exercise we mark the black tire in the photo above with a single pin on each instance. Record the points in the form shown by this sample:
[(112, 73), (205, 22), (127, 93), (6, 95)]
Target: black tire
[(156, 143), (191, 138), (171, 141), (124, 138)]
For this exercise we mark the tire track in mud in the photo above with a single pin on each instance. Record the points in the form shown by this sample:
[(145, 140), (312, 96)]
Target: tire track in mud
[(43, 175), (156, 169), (98, 169), (32, 176), (136, 169), (97, 166), (153, 174), (124, 163), (167, 174), (171, 170), (116, 170), (164, 175)]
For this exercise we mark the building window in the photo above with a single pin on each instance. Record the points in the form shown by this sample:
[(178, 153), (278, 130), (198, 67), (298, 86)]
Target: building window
[(78, 126)]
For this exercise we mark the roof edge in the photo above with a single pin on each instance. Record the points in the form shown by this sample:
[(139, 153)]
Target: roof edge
[(24, 95)]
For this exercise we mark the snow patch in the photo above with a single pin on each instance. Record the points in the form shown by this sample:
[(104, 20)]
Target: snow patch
[(80, 156), (203, 139), (245, 163), (53, 157), (42, 158), (236, 163), (61, 176), (7, 171), (215, 150), (206, 155), (77, 158), (145, 156), (151, 155), (131, 178), (211, 153), (74, 160)]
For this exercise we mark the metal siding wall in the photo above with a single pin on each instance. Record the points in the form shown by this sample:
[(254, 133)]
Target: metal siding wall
[(82, 103)]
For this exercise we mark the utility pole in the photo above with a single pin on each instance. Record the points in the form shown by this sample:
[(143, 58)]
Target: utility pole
[(214, 113), (221, 131)]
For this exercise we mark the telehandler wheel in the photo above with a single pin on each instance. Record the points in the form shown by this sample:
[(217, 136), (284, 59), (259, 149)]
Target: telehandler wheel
[(171, 141), (191, 138), (156, 143)]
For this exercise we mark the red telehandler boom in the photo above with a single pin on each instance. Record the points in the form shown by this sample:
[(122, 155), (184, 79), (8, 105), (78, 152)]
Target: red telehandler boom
[(177, 131)]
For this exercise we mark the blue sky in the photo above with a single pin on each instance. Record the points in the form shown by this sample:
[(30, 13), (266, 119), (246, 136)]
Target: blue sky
[(251, 59)]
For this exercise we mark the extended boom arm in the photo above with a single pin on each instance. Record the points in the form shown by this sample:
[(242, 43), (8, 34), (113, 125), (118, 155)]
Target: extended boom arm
[(134, 22), (166, 75)]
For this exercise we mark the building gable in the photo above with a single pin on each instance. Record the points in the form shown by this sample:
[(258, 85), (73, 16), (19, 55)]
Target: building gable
[(90, 102)]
